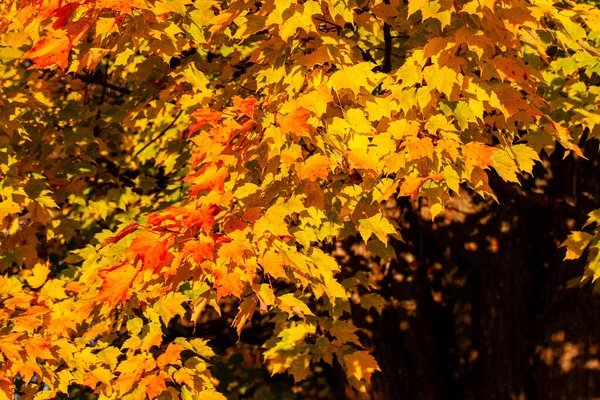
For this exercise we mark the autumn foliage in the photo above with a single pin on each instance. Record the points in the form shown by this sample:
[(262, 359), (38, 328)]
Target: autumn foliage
[(159, 157)]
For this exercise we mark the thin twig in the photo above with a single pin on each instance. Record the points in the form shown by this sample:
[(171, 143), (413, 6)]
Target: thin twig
[(336, 26), (250, 90), (160, 134)]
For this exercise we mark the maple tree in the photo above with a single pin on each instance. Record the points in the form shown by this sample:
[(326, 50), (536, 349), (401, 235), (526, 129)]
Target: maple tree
[(160, 156)]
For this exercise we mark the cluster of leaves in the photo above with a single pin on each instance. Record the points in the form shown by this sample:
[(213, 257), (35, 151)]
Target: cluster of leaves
[(579, 242), (225, 142)]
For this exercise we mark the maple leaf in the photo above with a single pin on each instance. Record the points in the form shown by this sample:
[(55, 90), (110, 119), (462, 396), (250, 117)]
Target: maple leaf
[(235, 250), (353, 78), (419, 148), (40, 273), (295, 122), (203, 217), (8, 207), (148, 247), (273, 221), (292, 305), (117, 281), (246, 310), (170, 356), (373, 300), (272, 263), (576, 243), (245, 106), (53, 289), (228, 283), (315, 167), (344, 332), (200, 250), (361, 365), (410, 186), (204, 116), (153, 385), (504, 164), (210, 177), (477, 154), (170, 306), (525, 157), (376, 224), (358, 121), (52, 50)]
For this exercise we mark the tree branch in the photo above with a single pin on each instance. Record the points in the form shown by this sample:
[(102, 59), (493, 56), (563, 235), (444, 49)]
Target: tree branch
[(160, 134), (95, 81)]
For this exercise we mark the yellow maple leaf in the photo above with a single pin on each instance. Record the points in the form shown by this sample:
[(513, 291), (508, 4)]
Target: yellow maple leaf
[(272, 221), (354, 78), (361, 365), (210, 395), (8, 207), (442, 79), (525, 157), (293, 305), (170, 306), (315, 166), (504, 164), (576, 243), (378, 225), (38, 278)]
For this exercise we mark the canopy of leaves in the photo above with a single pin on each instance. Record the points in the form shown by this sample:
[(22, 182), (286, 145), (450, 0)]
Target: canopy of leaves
[(158, 156)]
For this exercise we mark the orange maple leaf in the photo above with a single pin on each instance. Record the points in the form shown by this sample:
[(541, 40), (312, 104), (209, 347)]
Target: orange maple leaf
[(234, 250), (152, 385), (228, 283), (170, 356), (410, 186), (52, 50), (200, 250), (316, 166), (205, 116), (245, 106), (295, 122), (477, 154), (419, 148), (116, 282), (149, 249), (208, 177), (203, 217)]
